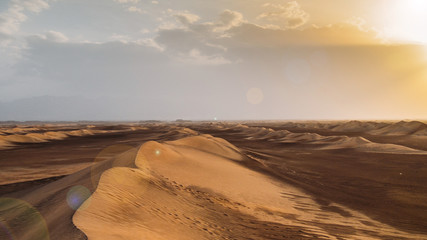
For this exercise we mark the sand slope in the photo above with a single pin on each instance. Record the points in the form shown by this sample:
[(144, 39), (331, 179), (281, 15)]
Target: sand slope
[(195, 188), (43, 213)]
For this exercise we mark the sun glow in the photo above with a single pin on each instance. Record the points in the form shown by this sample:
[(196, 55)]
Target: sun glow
[(406, 21)]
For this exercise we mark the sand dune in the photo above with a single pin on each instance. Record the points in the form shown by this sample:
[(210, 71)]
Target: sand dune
[(357, 126), (400, 128), (4, 143), (301, 137), (51, 219), (194, 188), (325, 142), (209, 144), (9, 140), (415, 128), (421, 132), (364, 145), (273, 135), (38, 135), (180, 132), (18, 130)]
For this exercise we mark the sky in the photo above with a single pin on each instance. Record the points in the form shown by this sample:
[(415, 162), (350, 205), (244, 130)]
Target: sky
[(212, 59)]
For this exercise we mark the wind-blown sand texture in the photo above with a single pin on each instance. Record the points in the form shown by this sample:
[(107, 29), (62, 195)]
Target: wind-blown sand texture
[(252, 180)]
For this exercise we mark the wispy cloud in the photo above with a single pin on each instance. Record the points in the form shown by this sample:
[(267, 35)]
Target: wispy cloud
[(136, 10), (290, 14), (15, 15), (127, 1)]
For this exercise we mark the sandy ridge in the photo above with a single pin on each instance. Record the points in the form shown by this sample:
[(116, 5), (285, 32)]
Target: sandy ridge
[(194, 188)]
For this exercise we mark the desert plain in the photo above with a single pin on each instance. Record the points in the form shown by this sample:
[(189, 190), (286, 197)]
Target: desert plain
[(214, 180)]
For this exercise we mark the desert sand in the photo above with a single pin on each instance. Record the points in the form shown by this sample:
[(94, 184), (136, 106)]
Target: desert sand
[(214, 180)]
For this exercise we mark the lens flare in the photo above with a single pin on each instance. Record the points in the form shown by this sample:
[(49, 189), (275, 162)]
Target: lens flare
[(18, 218), (76, 196), (254, 96), (157, 152), (5, 232)]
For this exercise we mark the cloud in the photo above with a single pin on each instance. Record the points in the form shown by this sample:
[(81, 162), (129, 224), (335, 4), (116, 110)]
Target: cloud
[(145, 31), (195, 57), (115, 79), (291, 14), (195, 42), (256, 36), (120, 38), (227, 20), (230, 38), (358, 22), (32, 5), (82, 67), (11, 19), (134, 78), (186, 18), (49, 36), (136, 10), (149, 42), (56, 36), (11, 43), (126, 1)]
